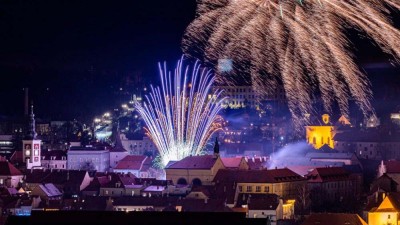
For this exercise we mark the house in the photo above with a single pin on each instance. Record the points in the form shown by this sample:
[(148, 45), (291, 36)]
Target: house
[(239, 163), (347, 158), (70, 182), (268, 206), (256, 163), (387, 212), (199, 192), (116, 155), (333, 185), (370, 144), (138, 165), (196, 170), (113, 184), (334, 219), (9, 175), (47, 192), (137, 146), (390, 168), (282, 182), (89, 158), (55, 159)]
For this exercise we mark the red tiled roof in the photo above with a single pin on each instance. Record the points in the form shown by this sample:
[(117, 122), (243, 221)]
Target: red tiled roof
[(16, 157), (334, 219), (231, 162), (132, 162), (327, 174), (126, 165), (7, 169), (194, 162), (257, 176), (392, 166), (256, 163)]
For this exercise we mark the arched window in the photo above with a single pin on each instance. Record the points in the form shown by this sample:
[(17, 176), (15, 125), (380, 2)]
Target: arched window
[(196, 182), (181, 181)]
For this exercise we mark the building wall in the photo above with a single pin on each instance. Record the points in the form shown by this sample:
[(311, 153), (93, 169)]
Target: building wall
[(245, 96), (55, 164), (10, 181), (138, 147), (115, 157), (318, 136), (205, 175), (287, 190), (100, 159), (112, 192), (335, 190)]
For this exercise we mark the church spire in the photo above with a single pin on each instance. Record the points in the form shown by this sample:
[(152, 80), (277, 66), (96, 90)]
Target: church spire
[(216, 148), (31, 131)]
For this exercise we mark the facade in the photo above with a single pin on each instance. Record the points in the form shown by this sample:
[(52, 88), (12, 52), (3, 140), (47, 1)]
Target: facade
[(116, 155), (320, 135), (235, 163), (369, 144), (334, 184), (56, 159), (282, 182), (387, 212), (245, 96), (268, 206), (88, 158), (137, 147), (47, 192), (10, 176), (137, 165), (198, 170), (70, 182)]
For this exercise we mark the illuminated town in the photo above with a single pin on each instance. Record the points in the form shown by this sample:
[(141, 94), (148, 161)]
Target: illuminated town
[(194, 112)]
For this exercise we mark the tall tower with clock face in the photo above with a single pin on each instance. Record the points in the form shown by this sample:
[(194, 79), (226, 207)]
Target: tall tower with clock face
[(31, 145)]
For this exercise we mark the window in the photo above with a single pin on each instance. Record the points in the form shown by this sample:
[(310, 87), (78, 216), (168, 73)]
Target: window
[(249, 189), (266, 189), (258, 189), (240, 189)]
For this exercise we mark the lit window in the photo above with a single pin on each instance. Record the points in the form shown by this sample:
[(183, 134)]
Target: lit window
[(249, 189), (258, 189)]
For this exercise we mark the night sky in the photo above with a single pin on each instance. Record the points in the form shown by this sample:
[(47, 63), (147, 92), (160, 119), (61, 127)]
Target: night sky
[(76, 55)]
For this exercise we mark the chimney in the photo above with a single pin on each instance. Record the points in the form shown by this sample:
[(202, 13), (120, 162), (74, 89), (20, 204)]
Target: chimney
[(26, 102)]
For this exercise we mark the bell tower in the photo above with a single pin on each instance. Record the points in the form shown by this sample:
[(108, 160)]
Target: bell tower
[(31, 146)]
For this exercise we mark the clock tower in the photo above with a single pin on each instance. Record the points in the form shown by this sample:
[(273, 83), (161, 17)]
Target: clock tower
[(31, 145)]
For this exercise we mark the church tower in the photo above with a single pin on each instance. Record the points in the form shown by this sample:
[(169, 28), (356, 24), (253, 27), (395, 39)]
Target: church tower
[(31, 145), (216, 148)]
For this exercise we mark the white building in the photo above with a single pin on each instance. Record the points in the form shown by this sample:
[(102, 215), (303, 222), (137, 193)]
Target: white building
[(88, 158), (55, 159), (137, 147)]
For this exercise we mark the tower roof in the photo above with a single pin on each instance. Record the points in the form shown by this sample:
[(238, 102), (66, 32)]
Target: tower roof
[(31, 131)]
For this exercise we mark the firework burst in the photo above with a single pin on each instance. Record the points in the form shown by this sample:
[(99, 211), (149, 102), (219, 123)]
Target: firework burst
[(298, 44), (181, 116)]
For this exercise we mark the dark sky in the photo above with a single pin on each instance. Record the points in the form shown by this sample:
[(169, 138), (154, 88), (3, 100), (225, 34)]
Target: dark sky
[(75, 55), (83, 50)]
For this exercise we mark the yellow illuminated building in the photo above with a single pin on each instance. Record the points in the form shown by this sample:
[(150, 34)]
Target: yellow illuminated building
[(320, 135), (387, 212)]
